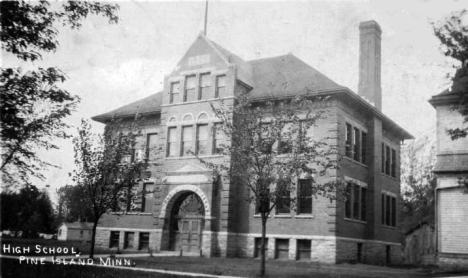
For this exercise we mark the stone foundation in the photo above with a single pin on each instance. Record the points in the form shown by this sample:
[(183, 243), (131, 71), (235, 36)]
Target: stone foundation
[(453, 261)]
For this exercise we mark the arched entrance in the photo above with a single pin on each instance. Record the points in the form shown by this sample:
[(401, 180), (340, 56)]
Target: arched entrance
[(187, 222)]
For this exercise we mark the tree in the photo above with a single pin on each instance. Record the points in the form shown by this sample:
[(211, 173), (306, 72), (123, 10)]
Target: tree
[(72, 204), (419, 182), (270, 147), (33, 105), (29, 210), (453, 35), (103, 169)]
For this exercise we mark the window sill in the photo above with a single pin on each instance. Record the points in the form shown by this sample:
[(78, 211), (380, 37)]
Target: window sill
[(282, 216), (196, 101), (192, 157), (355, 161), (390, 177), (388, 227), (355, 220), (302, 216)]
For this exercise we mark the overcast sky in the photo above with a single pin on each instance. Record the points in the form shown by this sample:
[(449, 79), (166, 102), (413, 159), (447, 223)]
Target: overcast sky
[(112, 65)]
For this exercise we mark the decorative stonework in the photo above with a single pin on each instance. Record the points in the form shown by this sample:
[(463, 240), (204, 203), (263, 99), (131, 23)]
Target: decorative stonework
[(172, 196)]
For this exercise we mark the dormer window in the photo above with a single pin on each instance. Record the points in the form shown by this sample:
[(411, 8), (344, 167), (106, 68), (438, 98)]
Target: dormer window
[(220, 86), (189, 93), (205, 83)]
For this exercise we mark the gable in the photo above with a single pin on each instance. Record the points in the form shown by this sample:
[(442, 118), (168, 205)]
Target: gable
[(201, 54)]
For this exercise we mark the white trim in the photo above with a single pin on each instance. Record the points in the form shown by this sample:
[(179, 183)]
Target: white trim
[(126, 229), (186, 187), (391, 194), (355, 181), (202, 70)]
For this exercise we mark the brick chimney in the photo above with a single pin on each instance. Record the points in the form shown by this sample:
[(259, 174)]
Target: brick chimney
[(369, 63)]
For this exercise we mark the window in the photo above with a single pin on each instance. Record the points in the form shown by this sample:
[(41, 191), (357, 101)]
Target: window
[(151, 146), (60, 232), (189, 92), (389, 160), (388, 213), (283, 205), (265, 139), (258, 247), (349, 136), (304, 248), (285, 146), (202, 139), (355, 205), (171, 141), (363, 148), (186, 140), (144, 241), (217, 139), (174, 94), (114, 239), (262, 202), (282, 249), (304, 196), (81, 234), (128, 243), (205, 83), (146, 192), (220, 86), (356, 144)]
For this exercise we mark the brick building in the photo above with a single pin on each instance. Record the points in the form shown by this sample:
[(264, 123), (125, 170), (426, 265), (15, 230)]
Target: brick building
[(190, 209), (451, 170)]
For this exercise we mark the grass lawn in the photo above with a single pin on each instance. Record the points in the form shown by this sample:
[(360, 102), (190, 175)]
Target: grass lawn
[(274, 268), (12, 268)]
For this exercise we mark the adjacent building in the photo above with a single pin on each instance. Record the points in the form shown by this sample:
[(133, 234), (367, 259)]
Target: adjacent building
[(81, 231), (451, 170), (187, 207)]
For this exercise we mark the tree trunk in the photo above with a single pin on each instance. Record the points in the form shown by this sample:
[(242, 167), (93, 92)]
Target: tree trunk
[(262, 257), (93, 238)]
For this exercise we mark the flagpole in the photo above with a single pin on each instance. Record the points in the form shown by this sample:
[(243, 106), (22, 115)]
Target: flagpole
[(206, 17)]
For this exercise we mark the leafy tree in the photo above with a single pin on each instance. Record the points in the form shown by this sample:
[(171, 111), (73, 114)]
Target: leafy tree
[(33, 105), (453, 35), (419, 182), (271, 146), (29, 210), (103, 168), (72, 204)]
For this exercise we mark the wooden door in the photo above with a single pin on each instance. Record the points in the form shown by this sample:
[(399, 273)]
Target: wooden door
[(191, 235)]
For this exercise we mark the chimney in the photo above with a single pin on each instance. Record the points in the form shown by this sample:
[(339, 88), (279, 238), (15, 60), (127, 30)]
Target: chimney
[(369, 63)]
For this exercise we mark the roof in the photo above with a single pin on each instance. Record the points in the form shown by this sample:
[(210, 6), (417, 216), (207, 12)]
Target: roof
[(285, 76), (419, 225), (275, 77), (451, 163), (78, 225), (148, 105)]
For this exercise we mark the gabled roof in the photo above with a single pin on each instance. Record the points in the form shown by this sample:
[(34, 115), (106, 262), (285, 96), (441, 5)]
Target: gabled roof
[(79, 225), (145, 106), (275, 77)]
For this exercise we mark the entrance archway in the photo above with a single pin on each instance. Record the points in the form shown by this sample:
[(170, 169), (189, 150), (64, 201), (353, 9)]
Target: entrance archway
[(187, 223)]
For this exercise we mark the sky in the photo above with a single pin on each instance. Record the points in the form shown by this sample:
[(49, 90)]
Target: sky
[(109, 66)]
